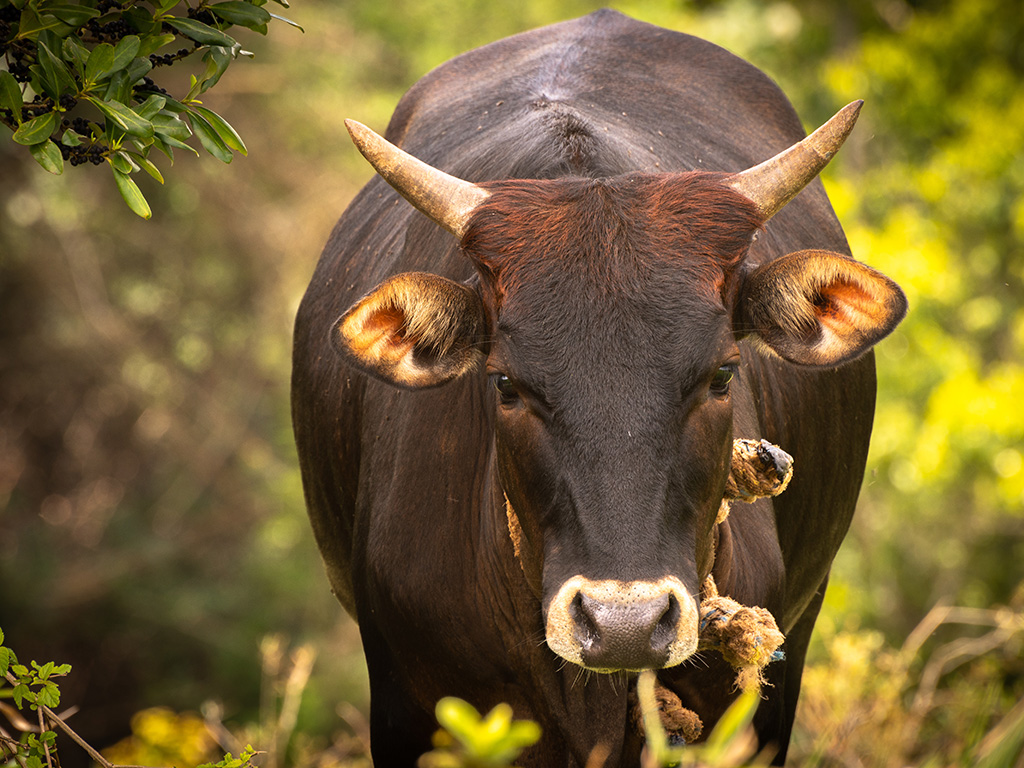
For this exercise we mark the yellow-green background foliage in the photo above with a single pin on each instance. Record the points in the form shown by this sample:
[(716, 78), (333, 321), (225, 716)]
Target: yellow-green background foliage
[(152, 528)]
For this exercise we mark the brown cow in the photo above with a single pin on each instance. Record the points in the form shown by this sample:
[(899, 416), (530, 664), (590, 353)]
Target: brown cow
[(515, 440)]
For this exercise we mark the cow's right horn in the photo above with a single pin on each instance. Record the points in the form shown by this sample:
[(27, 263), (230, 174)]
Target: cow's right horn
[(448, 200), (777, 180)]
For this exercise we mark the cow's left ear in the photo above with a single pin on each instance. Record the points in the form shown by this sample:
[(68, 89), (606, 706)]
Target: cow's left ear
[(415, 330), (819, 308)]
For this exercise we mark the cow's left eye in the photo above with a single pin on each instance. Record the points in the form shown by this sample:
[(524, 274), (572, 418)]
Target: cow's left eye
[(722, 379)]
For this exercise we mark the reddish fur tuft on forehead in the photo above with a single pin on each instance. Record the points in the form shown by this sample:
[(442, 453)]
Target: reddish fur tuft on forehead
[(612, 228)]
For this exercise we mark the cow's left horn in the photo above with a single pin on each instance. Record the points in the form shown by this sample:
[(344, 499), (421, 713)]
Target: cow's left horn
[(776, 181), (448, 200)]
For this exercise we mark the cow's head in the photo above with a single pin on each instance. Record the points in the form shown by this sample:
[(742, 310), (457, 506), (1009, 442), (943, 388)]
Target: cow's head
[(607, 314)]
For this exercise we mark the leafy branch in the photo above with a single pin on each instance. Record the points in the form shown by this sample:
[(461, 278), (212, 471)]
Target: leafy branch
[(33, 687), (78, 81)]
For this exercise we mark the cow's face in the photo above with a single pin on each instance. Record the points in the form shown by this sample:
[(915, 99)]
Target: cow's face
[(606, 321), (611, 360)]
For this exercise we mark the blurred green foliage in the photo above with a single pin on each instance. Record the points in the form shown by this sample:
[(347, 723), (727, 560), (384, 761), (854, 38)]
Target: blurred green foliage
[(152, 528)]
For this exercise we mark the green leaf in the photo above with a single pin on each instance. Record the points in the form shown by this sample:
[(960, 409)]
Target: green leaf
[(44, 671), (7, 658), (145, 164), (74, 51), (100, 63), (138, 69), (735, 720), (20, 693), (121, 162), (123, 117), (241, 13), (153, 43), (62, 669), (36, 130), (20, 670), (223, 129), (33, 23), (209, 138), (10, 97), (127, 49), (163, 6), (217, 60), (74, 15), (132, 194), (49, 695), (57, 71), (150, 107), (288, 21), (201, 33), (118, 89), (168, 125)]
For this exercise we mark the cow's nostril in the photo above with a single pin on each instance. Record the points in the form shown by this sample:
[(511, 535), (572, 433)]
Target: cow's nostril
[(584, 629), (665, 631)]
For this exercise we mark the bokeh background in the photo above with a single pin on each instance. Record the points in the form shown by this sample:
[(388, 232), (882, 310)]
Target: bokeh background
[(152, 527)]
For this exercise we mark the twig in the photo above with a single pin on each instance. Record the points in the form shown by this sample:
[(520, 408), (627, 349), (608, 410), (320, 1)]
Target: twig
[(46, 747)]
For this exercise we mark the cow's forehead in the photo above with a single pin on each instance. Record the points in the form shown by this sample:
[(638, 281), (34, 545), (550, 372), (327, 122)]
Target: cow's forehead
[(618, 237)]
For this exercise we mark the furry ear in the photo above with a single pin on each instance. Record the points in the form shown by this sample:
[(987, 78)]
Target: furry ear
[(819, 308), (415, 330)]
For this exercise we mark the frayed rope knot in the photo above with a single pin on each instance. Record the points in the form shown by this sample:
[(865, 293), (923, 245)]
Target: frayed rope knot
[(747, 637)]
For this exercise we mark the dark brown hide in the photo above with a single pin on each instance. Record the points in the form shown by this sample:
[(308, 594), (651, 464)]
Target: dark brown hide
[(609, 285)]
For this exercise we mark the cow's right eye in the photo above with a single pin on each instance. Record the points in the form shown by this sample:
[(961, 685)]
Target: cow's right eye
[(506, 389)]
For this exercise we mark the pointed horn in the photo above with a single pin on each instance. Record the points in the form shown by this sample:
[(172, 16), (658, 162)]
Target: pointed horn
[(775, 182), (447, 200)]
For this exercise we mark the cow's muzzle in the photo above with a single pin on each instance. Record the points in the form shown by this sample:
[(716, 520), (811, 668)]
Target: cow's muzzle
[(622, 625)]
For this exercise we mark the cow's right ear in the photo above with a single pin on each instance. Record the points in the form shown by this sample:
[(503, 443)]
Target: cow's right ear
[(416, 330)]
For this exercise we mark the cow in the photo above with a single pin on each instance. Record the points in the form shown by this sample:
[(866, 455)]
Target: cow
[(514, 400)]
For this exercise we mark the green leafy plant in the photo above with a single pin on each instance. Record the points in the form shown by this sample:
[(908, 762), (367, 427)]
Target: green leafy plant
[(80, 81), (469, 740), (32, 687)]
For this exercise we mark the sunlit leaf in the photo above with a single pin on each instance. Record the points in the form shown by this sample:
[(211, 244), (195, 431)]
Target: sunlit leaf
[(36, 130), (132, 194), (146, 164), (152, 43), (223, 129), (123, 117), (48, 155), (209, 138)]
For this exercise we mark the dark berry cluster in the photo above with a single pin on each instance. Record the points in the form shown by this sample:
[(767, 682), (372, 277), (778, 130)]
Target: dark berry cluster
[(150, 86), (204, 16), (108, 5), (80, 125), (110, 32), (83, 154), (166, 59)]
